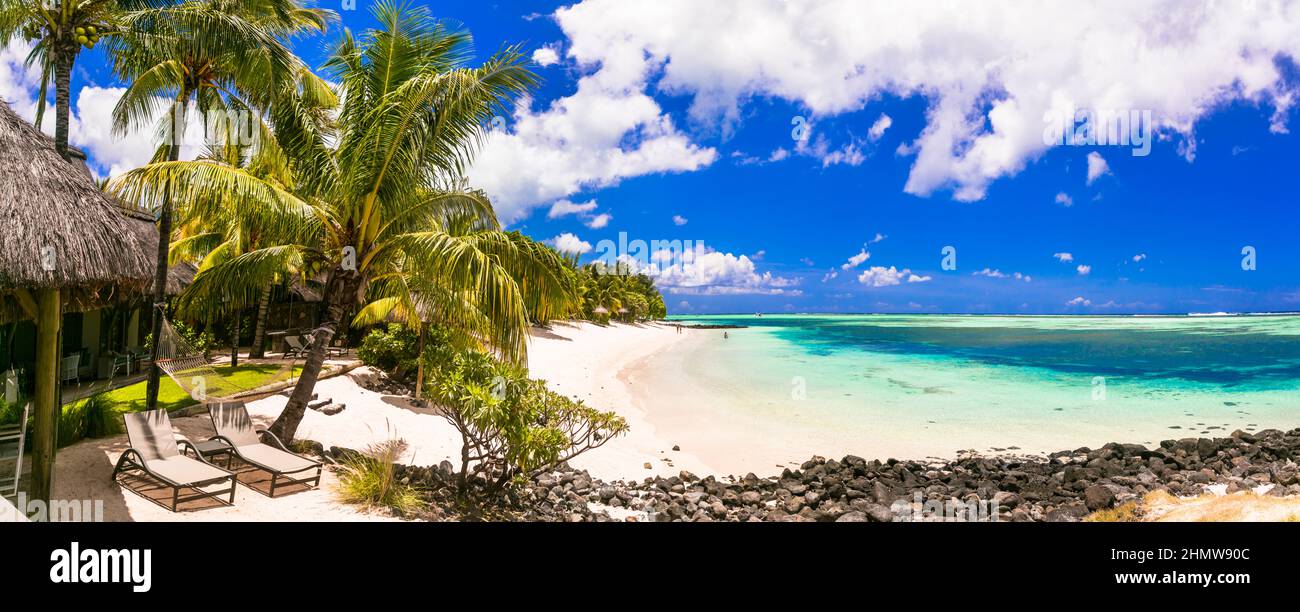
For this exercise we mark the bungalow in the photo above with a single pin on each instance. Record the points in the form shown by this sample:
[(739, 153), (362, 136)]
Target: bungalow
[(66, 248)]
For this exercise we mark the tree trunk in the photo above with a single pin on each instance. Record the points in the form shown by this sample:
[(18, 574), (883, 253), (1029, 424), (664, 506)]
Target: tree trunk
[(258, 350), (164, 246), (64, 56), (234, 339), (419, 365), (46, 421), (340, 293)]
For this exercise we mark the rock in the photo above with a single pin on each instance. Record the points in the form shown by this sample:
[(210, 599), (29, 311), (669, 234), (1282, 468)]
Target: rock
[(677, 448), (853, 517), (1098, 497), (1006, 499), (750, 498), (332, 409), (648, 466)]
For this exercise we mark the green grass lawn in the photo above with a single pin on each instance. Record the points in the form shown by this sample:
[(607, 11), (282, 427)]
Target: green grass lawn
[(171, 396)]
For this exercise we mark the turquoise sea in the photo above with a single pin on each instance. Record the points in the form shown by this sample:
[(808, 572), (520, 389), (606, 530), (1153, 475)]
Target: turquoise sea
[(931, 385)]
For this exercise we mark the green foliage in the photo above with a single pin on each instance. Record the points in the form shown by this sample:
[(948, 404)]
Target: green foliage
[(92, 417), (10, 413), (201, 341), (370, 479), (614, 293), (510, 425), (392, 349)]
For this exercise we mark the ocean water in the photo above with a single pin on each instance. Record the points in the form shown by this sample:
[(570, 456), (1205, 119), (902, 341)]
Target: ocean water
[(929, 386)]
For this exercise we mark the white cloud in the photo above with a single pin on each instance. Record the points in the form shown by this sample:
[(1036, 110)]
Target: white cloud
[(585, 211), (1079, 301), (856, 260), (1083, 270), (1063, 257), (679, 220), (608, 130), (717, 273), (1097, 166), (563, 208), (569, 243), (990, 71), (546, 56), (1064, 199), (993, 273), (1139, 257), (778, 154), (830, 276), (878, 128), (878, 238), (880, 276)]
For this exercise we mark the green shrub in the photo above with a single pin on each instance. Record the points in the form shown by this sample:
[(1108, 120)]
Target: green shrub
[(392, 349), (93, 417), (510, 425), (369, 479)]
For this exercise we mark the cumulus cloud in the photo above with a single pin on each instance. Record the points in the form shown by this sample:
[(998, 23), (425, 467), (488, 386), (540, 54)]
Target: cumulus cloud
[(880, 276), (569, 243), (856, 260), (1139, 257), (1063, 257), (1079, 301), (1064, 199), (546, 56), (679, 220), (1097, 166), (878, 128), (585, 211), (990, 71), (994, 273), (563, 208), (878, 238), (1083, 270), (717, 273)]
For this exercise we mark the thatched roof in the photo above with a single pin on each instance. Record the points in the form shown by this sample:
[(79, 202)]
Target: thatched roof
[(57, 229)]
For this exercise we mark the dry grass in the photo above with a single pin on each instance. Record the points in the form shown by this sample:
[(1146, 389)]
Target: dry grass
[(1126, 513), (368, 479), (1243, 506), (1160, 506)]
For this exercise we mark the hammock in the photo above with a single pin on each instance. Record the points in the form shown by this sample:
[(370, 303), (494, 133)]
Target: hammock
[(189, 368)]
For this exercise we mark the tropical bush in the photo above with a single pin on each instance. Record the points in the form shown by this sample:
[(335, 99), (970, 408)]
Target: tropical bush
[(92, 417), (370, 479), (510, 425), (393, 349)]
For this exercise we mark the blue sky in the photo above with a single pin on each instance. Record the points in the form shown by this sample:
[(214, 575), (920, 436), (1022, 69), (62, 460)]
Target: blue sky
[(675, 120)]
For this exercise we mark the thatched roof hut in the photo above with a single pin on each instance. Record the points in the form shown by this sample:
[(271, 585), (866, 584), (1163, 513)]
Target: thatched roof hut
[(58, 230)]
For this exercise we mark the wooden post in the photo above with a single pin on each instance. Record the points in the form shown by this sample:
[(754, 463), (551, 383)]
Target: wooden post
[(46, 422)]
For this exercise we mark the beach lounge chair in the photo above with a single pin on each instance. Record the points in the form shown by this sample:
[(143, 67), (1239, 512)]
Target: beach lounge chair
[(154, 451), (236, 429), (11, 448), (296, 346)]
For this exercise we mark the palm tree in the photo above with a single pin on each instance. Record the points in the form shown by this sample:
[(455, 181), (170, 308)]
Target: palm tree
[(376, 196), (229, 58), (60, 29)]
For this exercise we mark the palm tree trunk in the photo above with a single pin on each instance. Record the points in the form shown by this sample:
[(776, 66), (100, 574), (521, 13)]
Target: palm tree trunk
[(340, 294), (63, 60), (234, 340), (258, 350), (419, 365), (164, 246)]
